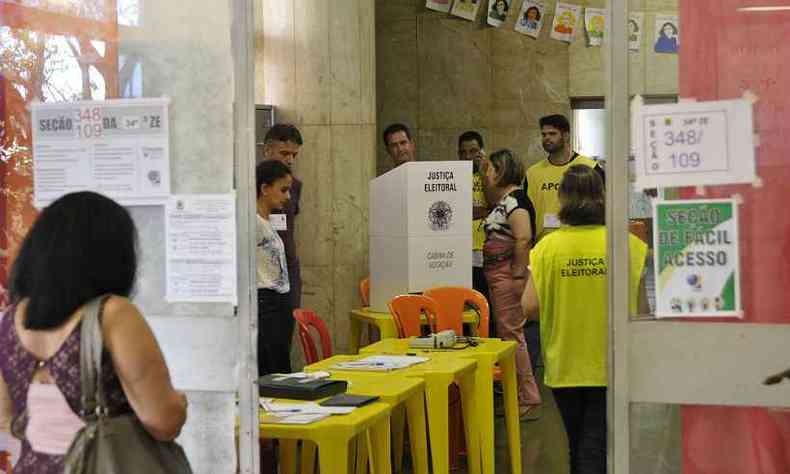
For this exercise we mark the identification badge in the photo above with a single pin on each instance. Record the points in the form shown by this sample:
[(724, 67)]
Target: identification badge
[(551, 221), (279, 223)]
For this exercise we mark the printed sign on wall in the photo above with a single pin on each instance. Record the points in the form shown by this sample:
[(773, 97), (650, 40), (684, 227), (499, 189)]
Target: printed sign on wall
[(595, 24), (693, 143), (667, 39), (497, 11), (438, 5), (696, 258), (530, 18), (119, 148), (200, 252), (566, 17), (635, 22), (466, 9)]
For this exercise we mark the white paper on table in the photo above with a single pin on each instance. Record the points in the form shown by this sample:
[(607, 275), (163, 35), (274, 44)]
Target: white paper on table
[(381, 362), (303, 408), (200, 253), (293, 419)]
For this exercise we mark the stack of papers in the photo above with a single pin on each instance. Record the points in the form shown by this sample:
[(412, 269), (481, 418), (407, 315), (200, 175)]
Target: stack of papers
[(305, 408), (301, 376), (381, 363), (292, 418), (297, 413)]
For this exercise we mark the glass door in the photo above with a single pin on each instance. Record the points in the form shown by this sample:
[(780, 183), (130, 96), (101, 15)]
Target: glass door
[(688, 378)]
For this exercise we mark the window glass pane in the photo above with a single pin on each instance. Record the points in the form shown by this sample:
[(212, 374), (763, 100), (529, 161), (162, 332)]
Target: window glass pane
[(590, 133)]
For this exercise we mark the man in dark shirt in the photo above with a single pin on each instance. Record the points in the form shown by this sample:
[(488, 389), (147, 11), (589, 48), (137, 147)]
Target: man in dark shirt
[(400, 144), (283, 142)]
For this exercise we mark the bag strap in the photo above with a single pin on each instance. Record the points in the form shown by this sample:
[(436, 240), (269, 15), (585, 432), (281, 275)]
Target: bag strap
[(94, 402)]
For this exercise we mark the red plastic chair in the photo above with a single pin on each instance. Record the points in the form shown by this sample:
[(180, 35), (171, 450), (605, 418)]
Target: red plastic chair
[(306, 319), (452, 301), (364, 291), (5, 462), (407, 310)]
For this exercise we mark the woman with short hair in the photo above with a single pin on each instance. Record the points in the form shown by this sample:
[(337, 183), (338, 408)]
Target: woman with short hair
[(510, 230), (82, 246), (567, 290)]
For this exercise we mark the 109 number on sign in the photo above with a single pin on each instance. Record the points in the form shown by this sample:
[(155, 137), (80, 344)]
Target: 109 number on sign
[(685, 160)]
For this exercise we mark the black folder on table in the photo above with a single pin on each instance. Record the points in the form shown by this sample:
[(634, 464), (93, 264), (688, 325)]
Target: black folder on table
[(347, 400), (276, 386)]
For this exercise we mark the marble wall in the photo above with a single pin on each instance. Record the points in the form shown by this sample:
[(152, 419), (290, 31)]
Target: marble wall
[(650, 73), (315, 62), (442, 75)]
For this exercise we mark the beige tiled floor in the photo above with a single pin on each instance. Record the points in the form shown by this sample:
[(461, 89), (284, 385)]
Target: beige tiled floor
[(543, 442)]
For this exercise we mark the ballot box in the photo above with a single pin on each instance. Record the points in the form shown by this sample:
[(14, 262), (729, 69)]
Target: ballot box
[(420, 229)]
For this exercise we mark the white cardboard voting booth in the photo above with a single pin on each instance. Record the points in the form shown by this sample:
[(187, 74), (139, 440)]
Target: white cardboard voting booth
[(420, 229)]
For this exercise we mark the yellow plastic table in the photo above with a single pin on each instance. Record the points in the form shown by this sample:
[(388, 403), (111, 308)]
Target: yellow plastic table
[(439, 373), (385, 324), (333, 436), (488, 353), (400, 393)]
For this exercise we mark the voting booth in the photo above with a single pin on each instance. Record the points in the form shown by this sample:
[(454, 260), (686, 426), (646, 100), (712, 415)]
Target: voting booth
[(420, 229)]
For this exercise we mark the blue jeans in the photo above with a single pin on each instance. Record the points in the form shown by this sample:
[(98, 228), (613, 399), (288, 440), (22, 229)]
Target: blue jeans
[(583, 411)]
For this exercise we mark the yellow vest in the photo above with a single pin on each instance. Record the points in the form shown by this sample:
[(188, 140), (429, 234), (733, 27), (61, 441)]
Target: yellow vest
[(543, 182), (569, 270), (478, 199)]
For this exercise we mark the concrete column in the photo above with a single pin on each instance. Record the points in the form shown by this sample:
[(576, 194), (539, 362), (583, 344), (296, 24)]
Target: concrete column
[(318, 69)]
